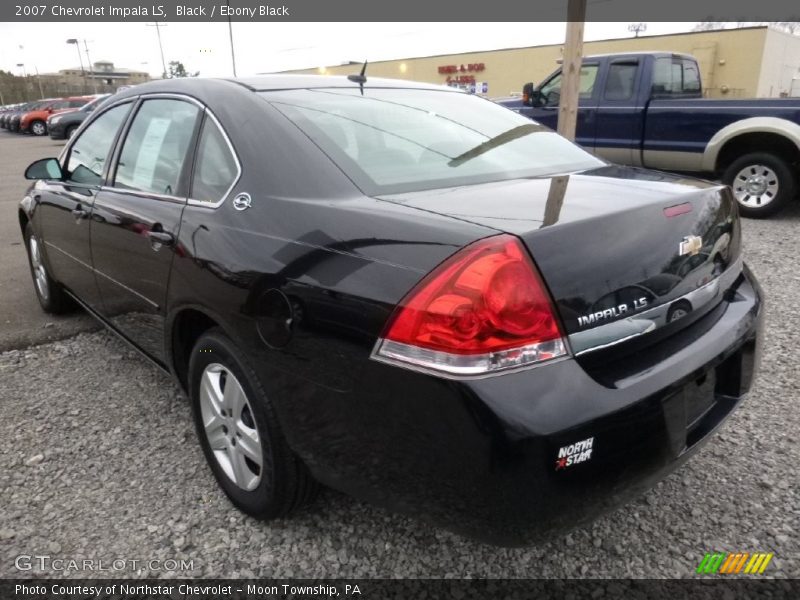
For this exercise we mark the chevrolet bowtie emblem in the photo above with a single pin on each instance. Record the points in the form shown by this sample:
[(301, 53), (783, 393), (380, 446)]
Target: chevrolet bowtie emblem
[(690, 245)]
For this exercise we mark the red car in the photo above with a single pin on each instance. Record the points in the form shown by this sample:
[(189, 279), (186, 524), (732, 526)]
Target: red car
[(35, 121)]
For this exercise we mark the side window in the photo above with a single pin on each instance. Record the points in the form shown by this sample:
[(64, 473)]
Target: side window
[(675, 76), (76, 103), (88, 155), (552, 89), (155, 150), (621, 77), (215, 169), (662, 76), (691, 78)]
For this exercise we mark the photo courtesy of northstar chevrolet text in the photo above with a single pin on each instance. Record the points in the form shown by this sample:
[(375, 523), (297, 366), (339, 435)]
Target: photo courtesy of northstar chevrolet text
[(295, 296)]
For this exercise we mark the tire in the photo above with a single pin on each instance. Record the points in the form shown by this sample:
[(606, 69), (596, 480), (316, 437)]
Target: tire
[(281, 483), (70, 131), (38, 128), (762, 183), (49, 292)]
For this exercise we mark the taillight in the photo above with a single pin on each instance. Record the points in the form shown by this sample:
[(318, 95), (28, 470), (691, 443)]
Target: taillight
[(484, 309)]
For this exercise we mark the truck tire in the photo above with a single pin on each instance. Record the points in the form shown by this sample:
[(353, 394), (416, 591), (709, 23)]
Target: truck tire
[(762, 183)]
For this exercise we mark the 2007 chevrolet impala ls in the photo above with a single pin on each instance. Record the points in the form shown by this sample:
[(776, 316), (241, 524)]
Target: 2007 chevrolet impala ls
[(403, 292)]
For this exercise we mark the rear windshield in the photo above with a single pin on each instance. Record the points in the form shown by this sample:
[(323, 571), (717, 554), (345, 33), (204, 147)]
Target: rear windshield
[(402, 140)]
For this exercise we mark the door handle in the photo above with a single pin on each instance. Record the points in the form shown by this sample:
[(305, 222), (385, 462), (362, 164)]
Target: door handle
[(161, 237)]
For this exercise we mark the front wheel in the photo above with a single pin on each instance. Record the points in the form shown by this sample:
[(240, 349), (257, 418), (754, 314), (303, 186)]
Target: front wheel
[(239, 431), (38, 128), (762, 183), (49, 292)]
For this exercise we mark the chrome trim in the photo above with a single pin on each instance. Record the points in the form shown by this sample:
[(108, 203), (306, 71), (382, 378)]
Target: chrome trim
[(227, 193), (125, 287), (451, 371), (111, 279), (652, 319), (142, 193)]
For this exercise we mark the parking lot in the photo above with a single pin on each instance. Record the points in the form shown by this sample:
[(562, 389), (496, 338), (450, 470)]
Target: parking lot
[(99, 460)]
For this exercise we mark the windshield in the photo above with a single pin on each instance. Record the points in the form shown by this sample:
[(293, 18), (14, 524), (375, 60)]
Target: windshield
[(401, 140)]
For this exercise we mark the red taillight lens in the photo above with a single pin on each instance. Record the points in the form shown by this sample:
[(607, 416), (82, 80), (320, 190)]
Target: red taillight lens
[(482, 310)]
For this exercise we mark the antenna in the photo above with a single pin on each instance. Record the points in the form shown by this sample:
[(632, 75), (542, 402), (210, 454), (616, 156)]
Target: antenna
[(361, 78)]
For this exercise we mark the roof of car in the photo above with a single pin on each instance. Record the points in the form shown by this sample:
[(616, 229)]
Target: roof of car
[(262, 83)]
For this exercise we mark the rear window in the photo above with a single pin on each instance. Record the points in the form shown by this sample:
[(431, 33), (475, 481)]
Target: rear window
[(402, 140)]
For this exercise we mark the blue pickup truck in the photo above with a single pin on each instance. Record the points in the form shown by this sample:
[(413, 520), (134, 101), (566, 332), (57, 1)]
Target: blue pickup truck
[(647, 109)]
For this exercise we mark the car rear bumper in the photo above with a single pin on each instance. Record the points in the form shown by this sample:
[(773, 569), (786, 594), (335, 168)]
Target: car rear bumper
[(483, 457)]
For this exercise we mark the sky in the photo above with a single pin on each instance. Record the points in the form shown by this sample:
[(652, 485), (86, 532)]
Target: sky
[(268, 47)]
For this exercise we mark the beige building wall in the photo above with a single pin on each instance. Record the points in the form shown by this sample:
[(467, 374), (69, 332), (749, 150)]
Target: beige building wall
[(731, 61), (780, 65)]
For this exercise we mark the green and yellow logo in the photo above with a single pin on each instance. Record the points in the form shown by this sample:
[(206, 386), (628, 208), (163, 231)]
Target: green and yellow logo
[(731, 563)]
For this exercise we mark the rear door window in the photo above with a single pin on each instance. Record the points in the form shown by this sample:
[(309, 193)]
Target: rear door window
[(215, 168), (154, 154)]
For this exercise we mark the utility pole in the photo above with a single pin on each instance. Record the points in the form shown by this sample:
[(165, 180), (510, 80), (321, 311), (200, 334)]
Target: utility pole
[(571, 69), (230, 34), (158, 27)]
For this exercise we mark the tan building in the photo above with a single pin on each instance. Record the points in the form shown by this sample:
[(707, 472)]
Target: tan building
[(103, 77), (734, 63)]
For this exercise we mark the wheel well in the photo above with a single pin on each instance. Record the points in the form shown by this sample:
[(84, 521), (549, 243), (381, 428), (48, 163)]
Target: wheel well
[(773, 143), (187, 328)]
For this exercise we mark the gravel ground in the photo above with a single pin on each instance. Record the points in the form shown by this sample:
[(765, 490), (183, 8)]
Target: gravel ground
[(99, 460)]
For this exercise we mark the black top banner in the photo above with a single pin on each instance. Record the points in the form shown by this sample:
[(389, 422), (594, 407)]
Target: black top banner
[(407, 10)]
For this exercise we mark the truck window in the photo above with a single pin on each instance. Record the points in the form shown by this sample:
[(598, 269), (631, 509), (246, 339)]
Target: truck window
[(588, 77), (621, 77), (675, 76), (691, 78)]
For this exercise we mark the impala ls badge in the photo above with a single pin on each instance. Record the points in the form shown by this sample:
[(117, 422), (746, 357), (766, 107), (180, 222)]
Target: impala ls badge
[(691, 245), (242, 202)]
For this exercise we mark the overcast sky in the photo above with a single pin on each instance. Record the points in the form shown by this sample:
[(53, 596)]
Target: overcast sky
[(266, 47)]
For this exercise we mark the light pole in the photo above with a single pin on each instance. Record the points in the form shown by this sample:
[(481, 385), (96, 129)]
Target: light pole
[(24, 80), (89, 60), (80, 60)]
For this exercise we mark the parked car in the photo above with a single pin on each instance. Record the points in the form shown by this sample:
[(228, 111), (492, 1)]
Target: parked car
[(386, 287), (10, 120), (647, 109), (62, 125), (35, 121)]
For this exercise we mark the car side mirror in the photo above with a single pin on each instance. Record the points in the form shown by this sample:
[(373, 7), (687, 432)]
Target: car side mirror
[(44, 168)]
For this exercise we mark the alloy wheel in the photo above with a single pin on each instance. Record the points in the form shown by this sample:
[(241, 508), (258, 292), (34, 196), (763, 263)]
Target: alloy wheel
[(230, 428), (39, 271), (755, 186)]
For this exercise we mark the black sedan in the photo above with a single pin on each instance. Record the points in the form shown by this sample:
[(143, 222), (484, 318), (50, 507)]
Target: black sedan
[(403, 292), (61, 126)]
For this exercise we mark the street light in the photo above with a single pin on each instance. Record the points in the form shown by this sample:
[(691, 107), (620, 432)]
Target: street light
[(80, 60)]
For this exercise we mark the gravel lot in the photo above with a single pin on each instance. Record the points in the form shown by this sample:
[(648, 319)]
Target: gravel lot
[(99, 460)]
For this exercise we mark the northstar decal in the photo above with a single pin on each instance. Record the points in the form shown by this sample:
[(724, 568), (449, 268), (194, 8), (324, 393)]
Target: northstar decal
[(574, 453)]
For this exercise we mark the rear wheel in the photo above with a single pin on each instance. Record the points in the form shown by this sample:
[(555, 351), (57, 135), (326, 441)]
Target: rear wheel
[(51, 295), (762, 183), (38, 128), (239, 431)]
